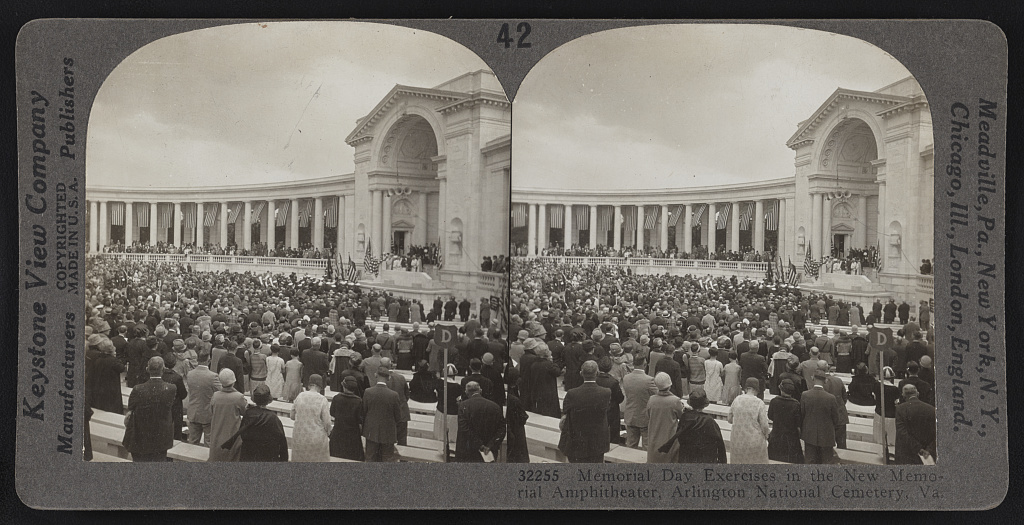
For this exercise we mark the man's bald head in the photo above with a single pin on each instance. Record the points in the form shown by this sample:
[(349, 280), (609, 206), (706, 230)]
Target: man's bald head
[(589, 371), (910, 391)]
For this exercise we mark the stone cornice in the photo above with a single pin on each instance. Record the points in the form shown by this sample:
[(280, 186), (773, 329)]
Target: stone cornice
[(770, 189), (826, 107), (365, 124), (497, 144), (917, 103), (298, 189)]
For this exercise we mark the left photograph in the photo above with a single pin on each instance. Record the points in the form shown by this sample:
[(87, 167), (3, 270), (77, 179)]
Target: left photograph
[(298, 249)]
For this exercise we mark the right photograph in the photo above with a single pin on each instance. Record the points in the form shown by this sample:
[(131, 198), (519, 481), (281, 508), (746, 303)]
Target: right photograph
[(722, 239)]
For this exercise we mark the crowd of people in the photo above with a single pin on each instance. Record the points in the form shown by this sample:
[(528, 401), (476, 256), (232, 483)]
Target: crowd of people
[(632, 347), (701, 252), (193, 344), (258, 249)]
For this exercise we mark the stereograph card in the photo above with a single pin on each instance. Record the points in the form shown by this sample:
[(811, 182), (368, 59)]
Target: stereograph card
[(189, 186)]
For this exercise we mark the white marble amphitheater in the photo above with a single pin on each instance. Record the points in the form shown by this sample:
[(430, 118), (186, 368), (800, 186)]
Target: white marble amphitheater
[(863, 178), (431, 166)]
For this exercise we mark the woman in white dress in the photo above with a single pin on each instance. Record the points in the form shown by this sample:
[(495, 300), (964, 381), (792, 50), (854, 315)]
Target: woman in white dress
[(749, 419), (312, 415), (275, 372), (714, 372)]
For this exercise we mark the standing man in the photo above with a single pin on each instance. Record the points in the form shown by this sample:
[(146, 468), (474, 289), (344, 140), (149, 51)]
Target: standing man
[(915, 429), (638, 388), (400, 386), (202, 383), (481, 427), (821, 417), (149, 429), (584, 422), (381, 414)]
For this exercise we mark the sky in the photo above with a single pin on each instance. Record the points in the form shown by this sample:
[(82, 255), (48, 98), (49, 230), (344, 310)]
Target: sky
[(680, 105), (254, 103)]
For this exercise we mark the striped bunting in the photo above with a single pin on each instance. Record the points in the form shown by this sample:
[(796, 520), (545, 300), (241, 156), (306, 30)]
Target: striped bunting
[(746, 212), (257, 211), (629, 217), (142, 216), (211, 210), (234, 210), (605, 216), (282, 213), (651, 216), (519, 212), (165, 213), (116, 214), (723, 218), (189, 213), (772, 216), (582, 217), (556, 216), (331, 215), (305, 212), (673, 216), (698, 214)]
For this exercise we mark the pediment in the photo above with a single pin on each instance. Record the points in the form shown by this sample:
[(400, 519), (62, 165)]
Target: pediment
[(365, 127), (806, 129)]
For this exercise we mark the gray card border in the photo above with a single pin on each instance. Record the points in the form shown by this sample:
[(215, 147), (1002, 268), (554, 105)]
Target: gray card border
[(954, 61)]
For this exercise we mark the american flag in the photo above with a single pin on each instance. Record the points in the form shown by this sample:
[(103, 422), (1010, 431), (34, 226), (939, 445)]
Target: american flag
[(234, 210), (604, 218), (282, 213), (117, 213), (698, 213), (370, 263), (772, 216), (556, 216), (651, 218), (352, 274), (629, 217), (791, 276), (723, 218), (811, 267), (331, 215), (582, 217), (305, 212), (877, 259), (143, 216), (211, 210), (745, 214), (257, 211), (519, 212), (674, 216)]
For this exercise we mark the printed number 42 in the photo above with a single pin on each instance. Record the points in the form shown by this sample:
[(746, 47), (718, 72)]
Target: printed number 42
[(505, 38)]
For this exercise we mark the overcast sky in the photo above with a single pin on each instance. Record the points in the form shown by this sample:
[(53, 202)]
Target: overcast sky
[(677, 106), (250, 104)]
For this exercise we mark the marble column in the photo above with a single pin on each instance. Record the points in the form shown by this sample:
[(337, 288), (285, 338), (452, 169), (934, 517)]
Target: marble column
[(860, 232), (826, 226), (883, 223), (710, 227), (342, 223), (247, 226), (293, 223), (442, 216), (780, 233), (531, 236), (664, 227), (421, 219), (223, 224), (815, 240), (688, 228), (567, 238), (593, 227), (385, 223), (129, 222), (104, 234), (734, 224), (176, 223), (542, 227), (759, 226), (641, 219), (94, 227), (617, 224), (200, 224), (318, 222), (271, 225)]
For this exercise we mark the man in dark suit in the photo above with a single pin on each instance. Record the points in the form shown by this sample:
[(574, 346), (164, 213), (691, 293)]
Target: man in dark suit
[(584, 423), (753, 364), (236, 365), (671, 367), (915, 428), (606, 380), (314, 361), (172, 378), (398, 383), (821, 417), (381, 412), (475, 375), (481, 426), (150, 428), (889, 312), (526, 362), (202, 383), (492, 371), (924, 390)]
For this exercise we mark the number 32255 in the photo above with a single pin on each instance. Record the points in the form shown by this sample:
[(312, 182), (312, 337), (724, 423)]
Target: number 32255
[(538, 475)]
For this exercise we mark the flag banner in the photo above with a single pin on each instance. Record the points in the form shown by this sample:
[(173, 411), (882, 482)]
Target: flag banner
[(629, 217), (698, 213), (556, 216), (188, 211), (305, 212), (165, 212), (605, 216), (257, 211), (651, 219), (673, 217), (582, 217), (746, 212), (211, 210), (116, 214), (723, 218), (282, 213), (234, 210), (142, 216), (370, 263), (519, 213), (810, 266), (352, 274), (331, 215), (791, 276), (772, 217)]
